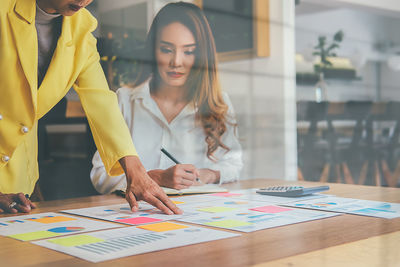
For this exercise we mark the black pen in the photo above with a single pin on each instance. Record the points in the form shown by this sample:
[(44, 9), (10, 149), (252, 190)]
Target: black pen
[(170, 156), (174, 160)]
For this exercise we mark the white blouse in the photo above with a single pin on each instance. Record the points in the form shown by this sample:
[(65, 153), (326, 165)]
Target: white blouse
[(182, 138)]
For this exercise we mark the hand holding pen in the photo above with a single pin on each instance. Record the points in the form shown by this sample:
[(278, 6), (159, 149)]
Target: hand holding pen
[(186, 171), (178, 177)]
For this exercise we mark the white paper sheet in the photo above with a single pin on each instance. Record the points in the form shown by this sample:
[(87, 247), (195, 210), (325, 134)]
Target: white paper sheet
[(45, 225), (113, 244), (122, 213), (351, 206), (248, 217)]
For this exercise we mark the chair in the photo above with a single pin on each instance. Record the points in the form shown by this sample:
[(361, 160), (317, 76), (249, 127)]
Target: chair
[(346, 140), (64, 175), (58, 116), (310, 141), (383, 130)]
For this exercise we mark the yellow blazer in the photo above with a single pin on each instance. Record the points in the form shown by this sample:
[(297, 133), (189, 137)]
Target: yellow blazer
[(75, 63)]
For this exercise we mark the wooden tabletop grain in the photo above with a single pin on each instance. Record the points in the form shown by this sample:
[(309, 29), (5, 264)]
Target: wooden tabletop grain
[(248, 249)]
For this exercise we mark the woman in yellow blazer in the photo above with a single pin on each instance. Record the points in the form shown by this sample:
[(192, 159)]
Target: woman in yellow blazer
[(75, 62)]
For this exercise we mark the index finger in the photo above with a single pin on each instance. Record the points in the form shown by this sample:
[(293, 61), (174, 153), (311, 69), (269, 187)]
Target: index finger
[(168, 203), (158, 204)]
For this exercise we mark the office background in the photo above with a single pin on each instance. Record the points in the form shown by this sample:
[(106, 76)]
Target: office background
[(266, 91)]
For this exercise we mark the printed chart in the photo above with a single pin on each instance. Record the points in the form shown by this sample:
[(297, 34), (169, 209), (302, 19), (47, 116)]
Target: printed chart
[(218, 205), (122, 213), (256, 218), (193, 199), (45, 225), (352, 206), (128, 241)]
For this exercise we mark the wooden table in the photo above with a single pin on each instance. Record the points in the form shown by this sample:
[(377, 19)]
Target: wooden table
[(312, 243)]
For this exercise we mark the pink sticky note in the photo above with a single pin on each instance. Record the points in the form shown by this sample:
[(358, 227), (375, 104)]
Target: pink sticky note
[(138, 220), (271, 209), (226, 194)]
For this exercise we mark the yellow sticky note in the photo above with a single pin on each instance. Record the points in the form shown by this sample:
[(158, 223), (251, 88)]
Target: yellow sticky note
[(34, 235), (76, 240), (53, 219), (163, 226), (228, 223), (177, 202), (216, 209)]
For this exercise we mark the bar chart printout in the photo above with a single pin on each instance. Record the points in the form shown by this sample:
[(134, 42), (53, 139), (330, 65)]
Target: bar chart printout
[(129, 241)]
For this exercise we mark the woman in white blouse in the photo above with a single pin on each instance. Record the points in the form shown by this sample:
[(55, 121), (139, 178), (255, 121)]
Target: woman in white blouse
[(176, 103)]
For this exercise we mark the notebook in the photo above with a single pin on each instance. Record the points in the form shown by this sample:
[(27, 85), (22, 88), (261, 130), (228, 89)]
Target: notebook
[(200, 189)]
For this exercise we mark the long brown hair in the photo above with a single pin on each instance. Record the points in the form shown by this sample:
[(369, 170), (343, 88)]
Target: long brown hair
[(203, 84)]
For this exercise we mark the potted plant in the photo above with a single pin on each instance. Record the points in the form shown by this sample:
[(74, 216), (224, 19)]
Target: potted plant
[(324, 51)]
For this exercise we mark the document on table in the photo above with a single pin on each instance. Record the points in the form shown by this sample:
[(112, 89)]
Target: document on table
[(351, 206), (128, 241), (246, 215), (45, 225), (121, 213)]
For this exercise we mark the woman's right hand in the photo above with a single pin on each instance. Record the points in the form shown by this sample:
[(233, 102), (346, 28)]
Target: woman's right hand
[(178, 177)]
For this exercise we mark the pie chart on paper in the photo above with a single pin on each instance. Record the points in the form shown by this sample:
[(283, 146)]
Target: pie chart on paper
[(62, 230)]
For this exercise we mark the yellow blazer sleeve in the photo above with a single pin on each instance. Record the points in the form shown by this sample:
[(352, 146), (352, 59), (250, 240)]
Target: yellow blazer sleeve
[(109, 129)]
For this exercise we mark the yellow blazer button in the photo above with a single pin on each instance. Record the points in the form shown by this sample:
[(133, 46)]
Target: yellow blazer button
[(24, 129), (1, 117), (5, 158)]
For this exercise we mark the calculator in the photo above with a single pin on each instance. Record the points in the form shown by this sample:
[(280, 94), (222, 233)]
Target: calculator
[(291, 191)]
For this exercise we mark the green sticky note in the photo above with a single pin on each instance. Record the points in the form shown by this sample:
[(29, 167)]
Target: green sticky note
[(34, 235), (229, 223), (77, 240), (216, 209)]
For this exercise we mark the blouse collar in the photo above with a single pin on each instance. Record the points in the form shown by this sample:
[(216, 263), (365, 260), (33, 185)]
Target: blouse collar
[(142, 92)]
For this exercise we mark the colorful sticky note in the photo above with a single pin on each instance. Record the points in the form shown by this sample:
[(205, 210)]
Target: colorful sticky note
[(177, 202), (163, 226), (138, 220), (271, 209), (226, 194), (34, 235), (54, 219), (228, 223), (76, 240), (217, 209)]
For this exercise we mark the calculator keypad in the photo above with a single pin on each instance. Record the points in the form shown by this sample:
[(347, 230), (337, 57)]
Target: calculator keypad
[(282, 188)]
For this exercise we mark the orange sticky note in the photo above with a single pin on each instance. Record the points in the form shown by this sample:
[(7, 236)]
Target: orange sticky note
[(163, 226), (177, 202), (54, 219)]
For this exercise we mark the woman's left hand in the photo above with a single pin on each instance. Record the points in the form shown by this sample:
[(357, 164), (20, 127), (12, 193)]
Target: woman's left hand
[(208, 176)]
